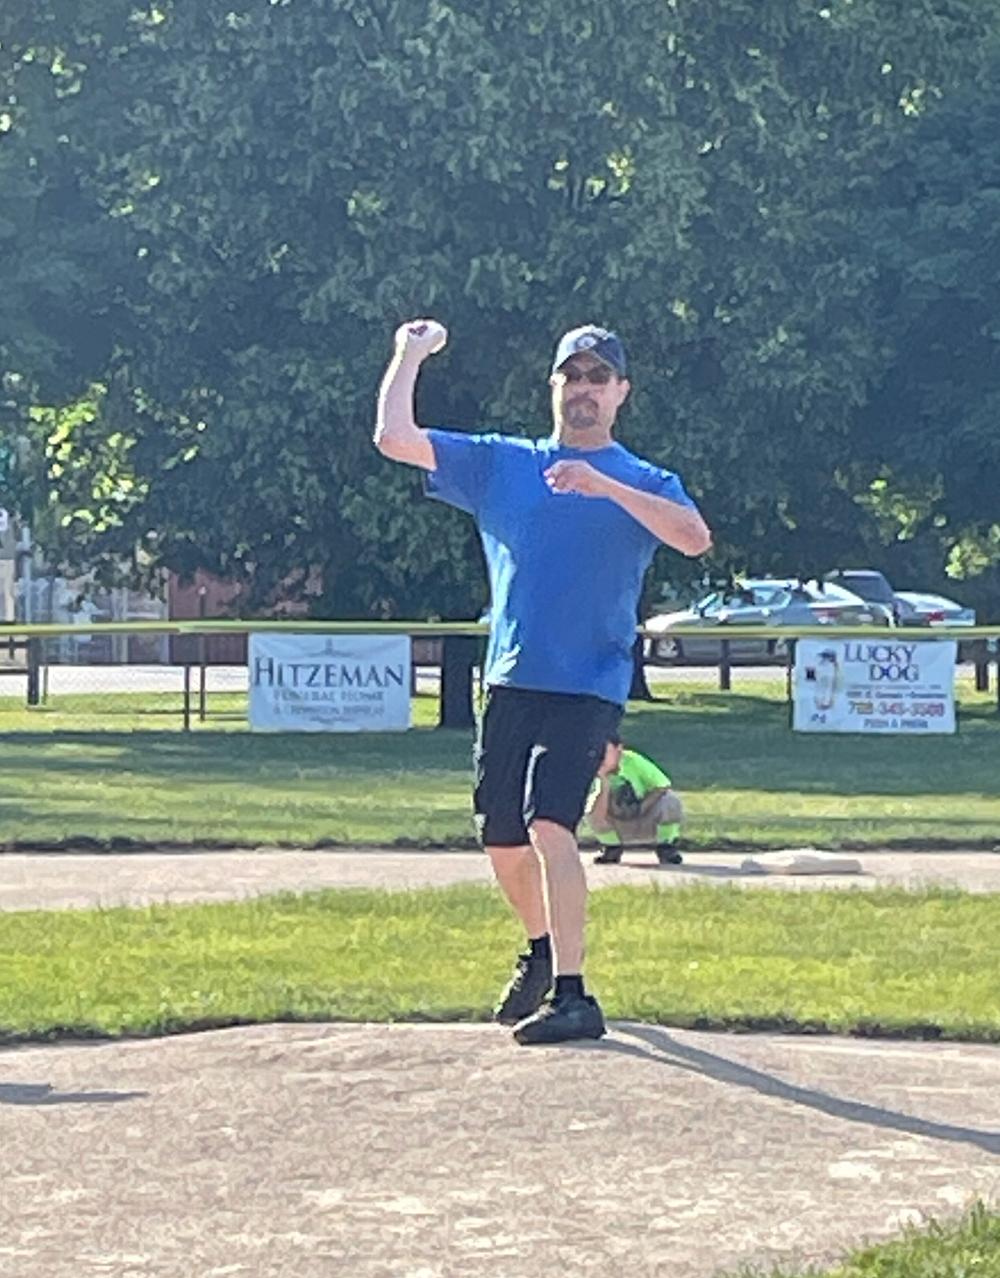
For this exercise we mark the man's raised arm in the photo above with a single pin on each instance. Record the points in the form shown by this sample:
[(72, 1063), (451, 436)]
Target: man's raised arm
[(397, 434)]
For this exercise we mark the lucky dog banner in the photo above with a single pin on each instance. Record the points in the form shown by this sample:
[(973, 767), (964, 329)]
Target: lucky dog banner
[(874, 685)]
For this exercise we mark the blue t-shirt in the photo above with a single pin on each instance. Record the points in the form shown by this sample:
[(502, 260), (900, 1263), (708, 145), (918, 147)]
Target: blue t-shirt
[(565, 570)]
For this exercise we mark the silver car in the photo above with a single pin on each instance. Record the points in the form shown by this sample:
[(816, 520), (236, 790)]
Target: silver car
[(920, 609), (765, 601)]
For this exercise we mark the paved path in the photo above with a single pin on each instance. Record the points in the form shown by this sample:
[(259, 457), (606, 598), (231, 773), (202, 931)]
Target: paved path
[(57, 880)]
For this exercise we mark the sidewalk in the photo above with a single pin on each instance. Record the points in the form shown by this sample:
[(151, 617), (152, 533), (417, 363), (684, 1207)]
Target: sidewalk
[(40, 881)]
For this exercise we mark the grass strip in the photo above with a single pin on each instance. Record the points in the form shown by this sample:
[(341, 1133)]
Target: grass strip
[(746, 779), (875, 962), (966, 1248)]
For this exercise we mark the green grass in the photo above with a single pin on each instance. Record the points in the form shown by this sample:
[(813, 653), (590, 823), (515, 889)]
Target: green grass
[(847, 961), (881, 961), (128, 773), (966, 1248), (149, 711)]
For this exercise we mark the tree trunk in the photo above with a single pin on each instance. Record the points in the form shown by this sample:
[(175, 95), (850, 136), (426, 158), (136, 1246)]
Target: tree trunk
[(639, 690)]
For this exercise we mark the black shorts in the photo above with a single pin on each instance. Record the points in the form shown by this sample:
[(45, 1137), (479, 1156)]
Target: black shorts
[(536, 757)]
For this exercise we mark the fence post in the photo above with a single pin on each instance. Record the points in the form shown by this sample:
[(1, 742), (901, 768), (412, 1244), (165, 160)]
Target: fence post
[(34, 662), (725, 669), (202, 657), (187, 696), (202, 680)]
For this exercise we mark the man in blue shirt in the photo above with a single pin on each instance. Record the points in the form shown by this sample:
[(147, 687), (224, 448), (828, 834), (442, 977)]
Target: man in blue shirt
[(568, 525)]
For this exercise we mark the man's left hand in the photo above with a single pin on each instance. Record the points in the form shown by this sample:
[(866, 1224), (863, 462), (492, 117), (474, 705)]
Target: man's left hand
[(578, 477)]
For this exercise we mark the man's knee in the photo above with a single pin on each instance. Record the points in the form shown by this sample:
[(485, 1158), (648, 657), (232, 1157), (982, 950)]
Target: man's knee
[(670, 809), (510, 856), (551, 837)]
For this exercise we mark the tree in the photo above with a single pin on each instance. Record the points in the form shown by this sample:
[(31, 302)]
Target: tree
[(273, 188), (930, 425)]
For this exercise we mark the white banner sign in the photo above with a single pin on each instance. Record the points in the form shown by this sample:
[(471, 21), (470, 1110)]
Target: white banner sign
[(329, 683), (874, 685)]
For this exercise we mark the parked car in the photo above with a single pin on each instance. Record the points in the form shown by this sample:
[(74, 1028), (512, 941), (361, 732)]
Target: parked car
[(871, 585), (919, 609), (765, 601)]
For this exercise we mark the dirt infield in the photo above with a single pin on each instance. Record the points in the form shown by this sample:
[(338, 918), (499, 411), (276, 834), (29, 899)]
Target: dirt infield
[(447, 1152), (407, 1151), (60, 880)]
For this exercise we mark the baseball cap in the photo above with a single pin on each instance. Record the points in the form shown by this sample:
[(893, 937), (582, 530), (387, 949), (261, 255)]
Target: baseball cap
[(607, 346)]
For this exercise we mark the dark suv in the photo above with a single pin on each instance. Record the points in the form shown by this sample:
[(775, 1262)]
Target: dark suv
[(872, 586)]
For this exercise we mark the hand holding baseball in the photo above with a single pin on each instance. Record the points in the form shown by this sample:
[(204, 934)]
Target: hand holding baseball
[(420, 337), (577, 477)]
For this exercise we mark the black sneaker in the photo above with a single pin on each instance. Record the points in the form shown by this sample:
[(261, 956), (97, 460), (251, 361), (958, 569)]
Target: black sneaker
[(563, 1019), (608, 856), (667, 854), (526, 991)]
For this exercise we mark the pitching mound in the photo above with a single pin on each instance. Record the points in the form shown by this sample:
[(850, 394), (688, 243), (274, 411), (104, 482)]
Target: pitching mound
[(410, 1151)]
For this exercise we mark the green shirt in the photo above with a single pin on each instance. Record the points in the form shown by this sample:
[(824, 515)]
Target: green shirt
[(634, 770), (640, 773)]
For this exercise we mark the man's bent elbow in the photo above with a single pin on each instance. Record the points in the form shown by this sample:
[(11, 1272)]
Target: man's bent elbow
[(412, 447), (392, 448), (388, 438)]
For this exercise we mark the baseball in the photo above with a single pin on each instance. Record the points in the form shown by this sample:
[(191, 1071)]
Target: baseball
[(440, 338), (425, 333)]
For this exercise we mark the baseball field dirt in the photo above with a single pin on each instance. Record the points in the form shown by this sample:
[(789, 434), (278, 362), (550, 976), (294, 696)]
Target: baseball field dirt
[(429, 1151)]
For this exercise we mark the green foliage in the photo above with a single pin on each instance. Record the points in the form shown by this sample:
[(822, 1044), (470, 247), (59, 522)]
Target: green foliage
[(221, 213)]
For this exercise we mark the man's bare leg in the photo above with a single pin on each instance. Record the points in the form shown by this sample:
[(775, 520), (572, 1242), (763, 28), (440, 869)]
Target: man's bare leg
[(520, 878), (565, 893), (571, 1014)]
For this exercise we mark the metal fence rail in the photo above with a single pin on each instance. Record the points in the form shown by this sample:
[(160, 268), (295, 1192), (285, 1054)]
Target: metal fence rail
[(198, 672)]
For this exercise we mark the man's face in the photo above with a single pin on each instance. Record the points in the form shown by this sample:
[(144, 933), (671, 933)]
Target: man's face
[(586, 396)]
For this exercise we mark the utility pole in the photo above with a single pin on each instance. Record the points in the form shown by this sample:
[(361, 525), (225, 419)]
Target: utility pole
[(7, 567), (23, 561)]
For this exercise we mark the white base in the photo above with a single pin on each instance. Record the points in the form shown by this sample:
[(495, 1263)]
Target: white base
[(801, 861)]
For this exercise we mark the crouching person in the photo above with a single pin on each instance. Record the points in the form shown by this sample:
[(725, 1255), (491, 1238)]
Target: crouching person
[(632, 802)]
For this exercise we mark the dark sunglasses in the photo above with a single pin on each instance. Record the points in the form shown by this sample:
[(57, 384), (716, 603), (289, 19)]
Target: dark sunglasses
[(598, 374)]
